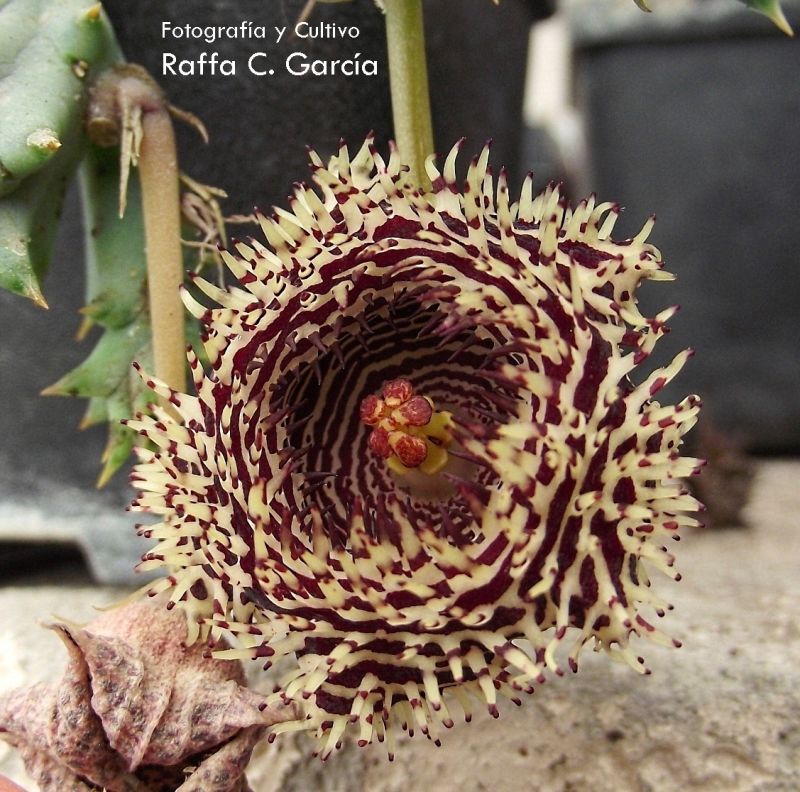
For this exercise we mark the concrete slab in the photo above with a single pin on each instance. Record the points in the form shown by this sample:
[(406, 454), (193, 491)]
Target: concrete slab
[(722, 714)]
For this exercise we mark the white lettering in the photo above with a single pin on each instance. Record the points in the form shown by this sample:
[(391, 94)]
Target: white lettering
[(301, 68), (325, 30), (244, 29), (205, 64), (251, 64), (299, 65)]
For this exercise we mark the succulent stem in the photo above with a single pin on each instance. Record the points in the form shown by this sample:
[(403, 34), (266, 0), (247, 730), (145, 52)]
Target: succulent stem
[(49, 53), (408, 75), (128, 107), (158, 175)]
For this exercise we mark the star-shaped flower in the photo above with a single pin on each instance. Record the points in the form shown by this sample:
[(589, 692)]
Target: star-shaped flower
[(422, 458)]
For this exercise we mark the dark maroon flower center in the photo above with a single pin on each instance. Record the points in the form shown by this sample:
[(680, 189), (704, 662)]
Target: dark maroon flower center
[(371, 412)]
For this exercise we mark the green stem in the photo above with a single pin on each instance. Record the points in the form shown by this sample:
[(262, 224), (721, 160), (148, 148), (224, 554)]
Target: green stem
[(158, 175), (127, 105), (408, 76)]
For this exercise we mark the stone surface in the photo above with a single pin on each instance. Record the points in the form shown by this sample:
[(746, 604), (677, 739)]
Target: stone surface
[(721, 714)]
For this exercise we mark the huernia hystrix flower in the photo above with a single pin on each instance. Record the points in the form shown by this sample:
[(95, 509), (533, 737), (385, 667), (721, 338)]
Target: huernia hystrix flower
[(420, 460)]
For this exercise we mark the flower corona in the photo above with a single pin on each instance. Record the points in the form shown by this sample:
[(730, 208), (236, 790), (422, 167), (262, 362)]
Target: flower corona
[(420, 459)]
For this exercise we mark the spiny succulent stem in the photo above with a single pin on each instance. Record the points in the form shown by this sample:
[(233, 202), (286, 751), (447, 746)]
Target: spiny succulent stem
[(158, 174), (408, 75)]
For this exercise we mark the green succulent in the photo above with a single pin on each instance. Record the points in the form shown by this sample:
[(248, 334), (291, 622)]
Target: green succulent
[(50, 53)]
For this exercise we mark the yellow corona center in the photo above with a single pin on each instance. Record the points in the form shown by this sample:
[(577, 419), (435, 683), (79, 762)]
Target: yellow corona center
[(407, 431)]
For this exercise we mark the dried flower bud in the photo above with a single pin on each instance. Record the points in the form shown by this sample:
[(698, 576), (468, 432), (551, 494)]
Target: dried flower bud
[(137, 710)]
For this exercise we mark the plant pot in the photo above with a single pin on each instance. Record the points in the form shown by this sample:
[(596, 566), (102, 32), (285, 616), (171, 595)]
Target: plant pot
[(691, 113)]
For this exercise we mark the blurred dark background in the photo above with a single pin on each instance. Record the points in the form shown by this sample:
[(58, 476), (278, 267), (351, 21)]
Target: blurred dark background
[(694, 117), (691, 117), (259, 128)]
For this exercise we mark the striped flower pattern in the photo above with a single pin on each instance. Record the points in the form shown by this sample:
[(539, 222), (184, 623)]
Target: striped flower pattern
[(422, 458)]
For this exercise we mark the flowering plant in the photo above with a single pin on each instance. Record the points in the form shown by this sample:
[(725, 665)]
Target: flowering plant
[(417, 460), (421, 459)]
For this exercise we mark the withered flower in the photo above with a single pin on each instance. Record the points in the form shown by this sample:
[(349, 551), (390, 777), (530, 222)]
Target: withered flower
[(420, 460), (138, 711)]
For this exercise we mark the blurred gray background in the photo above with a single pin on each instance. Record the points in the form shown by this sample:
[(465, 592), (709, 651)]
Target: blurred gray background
[(689, 113)]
